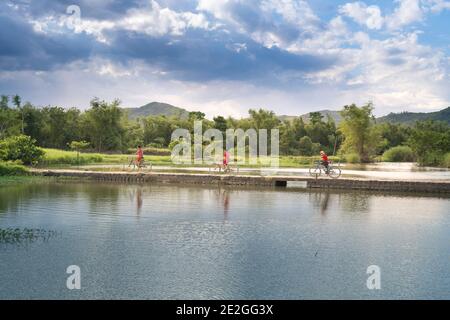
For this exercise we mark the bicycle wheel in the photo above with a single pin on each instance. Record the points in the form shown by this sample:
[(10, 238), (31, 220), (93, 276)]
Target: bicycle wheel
[(334, 173), (315, 172)]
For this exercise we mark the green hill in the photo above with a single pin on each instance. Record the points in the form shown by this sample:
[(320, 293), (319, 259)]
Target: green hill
[(157, 108), (325, 113), (411, 117)]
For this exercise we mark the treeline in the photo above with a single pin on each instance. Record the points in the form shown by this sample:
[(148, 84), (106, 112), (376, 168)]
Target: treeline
[(105, 127)]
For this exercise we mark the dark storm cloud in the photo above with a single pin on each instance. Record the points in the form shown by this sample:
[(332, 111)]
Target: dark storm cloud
[(198, 55), (98, 9), (23, 49)]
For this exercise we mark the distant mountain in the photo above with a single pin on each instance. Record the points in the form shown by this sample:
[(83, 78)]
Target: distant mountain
[(402, 117), (157, 108), (411, 117), (325, 113)]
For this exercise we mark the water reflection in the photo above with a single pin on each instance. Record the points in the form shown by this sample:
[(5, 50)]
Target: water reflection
[(275, 244)]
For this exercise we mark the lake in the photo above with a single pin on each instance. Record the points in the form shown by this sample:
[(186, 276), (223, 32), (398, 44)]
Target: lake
[(185, 242)]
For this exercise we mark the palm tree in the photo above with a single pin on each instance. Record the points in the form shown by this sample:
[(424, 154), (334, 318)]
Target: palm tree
[(17, 102)]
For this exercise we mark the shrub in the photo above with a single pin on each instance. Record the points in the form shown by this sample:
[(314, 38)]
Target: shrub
[(12, 169), (21, 148), (446, 162), (399, 154), (352, 158), (151, 151), (55, 157)]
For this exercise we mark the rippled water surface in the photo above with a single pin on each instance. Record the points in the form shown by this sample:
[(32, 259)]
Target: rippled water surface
[(165, 241)]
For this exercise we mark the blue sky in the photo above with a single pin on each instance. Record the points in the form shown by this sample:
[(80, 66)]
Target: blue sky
[(226, 56)]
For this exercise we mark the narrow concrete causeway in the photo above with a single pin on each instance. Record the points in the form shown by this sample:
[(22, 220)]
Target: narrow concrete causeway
[(249, 180)]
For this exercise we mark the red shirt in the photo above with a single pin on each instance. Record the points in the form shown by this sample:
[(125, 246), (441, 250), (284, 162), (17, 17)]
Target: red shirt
[(226, 157), (140, 153), (324, 157)]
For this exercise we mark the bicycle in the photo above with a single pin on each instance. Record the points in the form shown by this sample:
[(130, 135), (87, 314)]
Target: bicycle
[(226, 169), (333, 172), (141, 164)]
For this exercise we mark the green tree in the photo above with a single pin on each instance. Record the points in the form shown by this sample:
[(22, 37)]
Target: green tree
[(22, 148), (18, 103), (430, 140), (196, 115), (9, 122), (264, 119), (103, 126), (358, 129), (307, 147), (315, 117), (79, 146), (220, 123), (158, 130), (4, 101)]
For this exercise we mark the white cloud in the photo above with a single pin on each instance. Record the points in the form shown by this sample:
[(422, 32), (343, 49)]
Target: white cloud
[(370, 16), (152, 20), (269, 22), (436, 6), (159, 21), (408, 11)]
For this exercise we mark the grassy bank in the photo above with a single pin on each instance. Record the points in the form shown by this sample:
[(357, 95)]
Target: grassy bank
[(55, 157), (61, 158), (12, 169)]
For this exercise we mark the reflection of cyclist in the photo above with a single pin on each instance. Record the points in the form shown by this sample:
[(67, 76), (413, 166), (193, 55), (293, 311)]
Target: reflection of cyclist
[(324, 161), (139, 155)]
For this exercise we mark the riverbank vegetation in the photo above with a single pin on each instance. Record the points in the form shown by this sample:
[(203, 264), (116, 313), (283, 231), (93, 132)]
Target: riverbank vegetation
[(104, 134), (12, 169)]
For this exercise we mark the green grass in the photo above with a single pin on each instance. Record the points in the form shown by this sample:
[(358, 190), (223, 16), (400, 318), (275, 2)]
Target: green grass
[(446, 161), (55, 157), (61, 158), (398, 154), (12, 169), (58, 157)]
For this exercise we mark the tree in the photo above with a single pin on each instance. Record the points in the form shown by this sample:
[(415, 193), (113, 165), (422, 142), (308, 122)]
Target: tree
[(315, 117), (17, 102), (103, 126), (196, 115), (263, 119), (78, 146), (430, 140), (22, 148), (9, 123), (4, 101), (393, 135), (220, 123), (358, 128), (158, 130), (307, 147)]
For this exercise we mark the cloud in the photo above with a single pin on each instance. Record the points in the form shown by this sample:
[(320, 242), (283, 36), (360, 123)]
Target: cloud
[(370, 16), (269, 22), (436, 6), (225, 56), (150, 19), (23, 48), (408, 11)]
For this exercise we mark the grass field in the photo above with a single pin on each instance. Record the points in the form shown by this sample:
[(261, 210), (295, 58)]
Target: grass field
[(55, 157), (58, 158)]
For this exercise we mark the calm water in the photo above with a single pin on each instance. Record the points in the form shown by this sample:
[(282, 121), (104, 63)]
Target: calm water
[(166, 241)]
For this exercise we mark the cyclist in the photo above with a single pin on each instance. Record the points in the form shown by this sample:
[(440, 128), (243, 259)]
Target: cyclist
[(324, 161), (226, 159), (139, 156)]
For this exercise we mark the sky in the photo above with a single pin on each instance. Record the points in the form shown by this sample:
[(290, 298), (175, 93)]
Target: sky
[(226, 56)]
